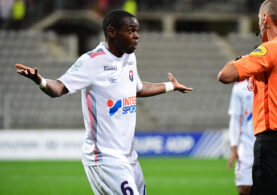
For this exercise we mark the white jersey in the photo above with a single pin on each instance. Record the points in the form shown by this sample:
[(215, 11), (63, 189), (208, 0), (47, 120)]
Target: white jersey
[(241, 106), (109, 85)]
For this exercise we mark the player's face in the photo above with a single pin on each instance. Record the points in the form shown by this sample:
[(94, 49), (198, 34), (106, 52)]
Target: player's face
[(127, 36)]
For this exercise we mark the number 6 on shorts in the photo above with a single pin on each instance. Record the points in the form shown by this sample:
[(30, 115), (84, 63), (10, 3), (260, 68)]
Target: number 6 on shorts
[(126, 189)]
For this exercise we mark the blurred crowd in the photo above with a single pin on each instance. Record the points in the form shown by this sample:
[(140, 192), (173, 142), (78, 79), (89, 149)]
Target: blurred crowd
[(17, 14), (12, 13)]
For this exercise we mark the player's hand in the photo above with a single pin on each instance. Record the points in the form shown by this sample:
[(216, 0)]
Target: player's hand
[(234, 157), (177, 85), (31, 73)]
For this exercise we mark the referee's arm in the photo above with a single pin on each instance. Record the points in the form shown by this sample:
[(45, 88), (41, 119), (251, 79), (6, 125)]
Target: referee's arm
[(228, 74)]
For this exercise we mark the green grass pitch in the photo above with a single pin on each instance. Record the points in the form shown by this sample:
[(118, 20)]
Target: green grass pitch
[(170, 176)]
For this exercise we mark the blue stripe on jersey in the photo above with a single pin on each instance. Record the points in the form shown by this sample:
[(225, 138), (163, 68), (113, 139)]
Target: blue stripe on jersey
[(249, 117)]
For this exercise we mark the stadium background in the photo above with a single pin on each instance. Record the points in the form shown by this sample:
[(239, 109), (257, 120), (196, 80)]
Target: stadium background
[(193, 39)]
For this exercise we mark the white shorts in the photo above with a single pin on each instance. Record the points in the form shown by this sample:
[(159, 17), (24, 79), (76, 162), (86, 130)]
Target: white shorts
[(243, 173), (116, 179)]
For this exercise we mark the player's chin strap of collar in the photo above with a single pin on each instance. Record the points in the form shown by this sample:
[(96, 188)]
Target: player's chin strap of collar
[(237, 58)]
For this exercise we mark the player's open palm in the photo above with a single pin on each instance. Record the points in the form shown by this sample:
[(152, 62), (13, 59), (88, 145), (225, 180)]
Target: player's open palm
[(31, 73), (178, 86)]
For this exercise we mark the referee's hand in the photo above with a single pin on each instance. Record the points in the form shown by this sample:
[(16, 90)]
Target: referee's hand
[(31, 73)]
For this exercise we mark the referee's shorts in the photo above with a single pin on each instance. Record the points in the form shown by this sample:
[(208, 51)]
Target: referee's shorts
[(264, 169)]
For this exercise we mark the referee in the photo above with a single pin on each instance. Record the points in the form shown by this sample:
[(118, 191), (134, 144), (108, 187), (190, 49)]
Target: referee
[(261, 65)]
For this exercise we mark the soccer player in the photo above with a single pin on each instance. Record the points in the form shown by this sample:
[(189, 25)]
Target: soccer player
[(110, 83), (241, 136), (261, 65)]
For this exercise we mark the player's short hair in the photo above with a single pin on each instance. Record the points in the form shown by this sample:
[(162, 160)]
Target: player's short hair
[(270, 6), (115, 18)]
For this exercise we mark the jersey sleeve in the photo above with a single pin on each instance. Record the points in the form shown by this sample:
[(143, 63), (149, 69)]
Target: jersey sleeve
[(78, 75), (139, 83), (235, 112), (258, 61), (234, 129), (235, 106)]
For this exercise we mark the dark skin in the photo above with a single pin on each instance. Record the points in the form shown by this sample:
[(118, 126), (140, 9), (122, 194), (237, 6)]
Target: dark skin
[(119, 41)]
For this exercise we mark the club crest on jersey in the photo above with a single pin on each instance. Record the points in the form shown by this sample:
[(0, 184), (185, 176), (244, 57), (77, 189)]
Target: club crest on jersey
[(128, 105), (260, 51), (131, 75)]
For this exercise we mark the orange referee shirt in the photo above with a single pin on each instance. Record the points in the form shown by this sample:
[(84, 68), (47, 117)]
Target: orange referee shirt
[(261, 65)]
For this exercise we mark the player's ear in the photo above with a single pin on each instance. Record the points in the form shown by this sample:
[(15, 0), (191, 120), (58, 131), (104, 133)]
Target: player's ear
[(111, 31), (266, 17)]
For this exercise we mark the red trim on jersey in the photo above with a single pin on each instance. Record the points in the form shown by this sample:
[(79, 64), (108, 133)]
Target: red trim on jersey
[(95, 153), (96, 54), (266, 109), (89, 103)]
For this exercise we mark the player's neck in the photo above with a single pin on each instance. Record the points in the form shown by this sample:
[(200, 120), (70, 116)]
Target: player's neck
[(113, 50)]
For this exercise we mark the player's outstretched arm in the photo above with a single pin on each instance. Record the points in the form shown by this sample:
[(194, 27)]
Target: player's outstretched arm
[(178, 86), (53, 88), (151, 89)]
